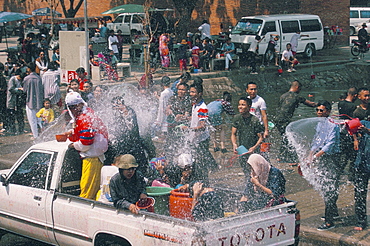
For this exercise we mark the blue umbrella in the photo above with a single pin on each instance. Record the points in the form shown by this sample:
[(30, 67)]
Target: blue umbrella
[(12, 16), (45, 12)]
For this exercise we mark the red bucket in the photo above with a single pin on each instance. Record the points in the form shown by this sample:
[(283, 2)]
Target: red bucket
[(280, 70), (265, 147), (353, 125), (146, 204)]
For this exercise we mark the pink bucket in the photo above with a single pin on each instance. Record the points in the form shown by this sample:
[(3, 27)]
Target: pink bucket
[(353, 125)]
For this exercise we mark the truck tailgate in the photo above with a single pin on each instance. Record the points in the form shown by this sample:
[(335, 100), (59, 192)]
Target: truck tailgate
[(269, 226)]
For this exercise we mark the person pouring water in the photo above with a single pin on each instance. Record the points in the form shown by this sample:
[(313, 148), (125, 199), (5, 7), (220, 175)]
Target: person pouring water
[(323, 160), (127, 186)]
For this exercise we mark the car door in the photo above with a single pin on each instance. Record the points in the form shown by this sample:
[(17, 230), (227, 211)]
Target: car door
[(126, 25), (288, 28), (25, 194)]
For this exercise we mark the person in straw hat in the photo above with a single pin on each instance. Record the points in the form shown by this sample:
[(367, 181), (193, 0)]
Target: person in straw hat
[(127, 186)]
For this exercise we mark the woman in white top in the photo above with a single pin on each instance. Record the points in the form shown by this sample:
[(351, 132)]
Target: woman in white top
[(41, 64)]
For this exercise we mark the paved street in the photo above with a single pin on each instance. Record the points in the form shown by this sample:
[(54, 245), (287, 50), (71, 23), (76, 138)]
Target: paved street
[(309, 202)]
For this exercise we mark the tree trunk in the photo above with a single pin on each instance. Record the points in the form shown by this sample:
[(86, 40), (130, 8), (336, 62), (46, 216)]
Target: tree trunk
[(185, 9)]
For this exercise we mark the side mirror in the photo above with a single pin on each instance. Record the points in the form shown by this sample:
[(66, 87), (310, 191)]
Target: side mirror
[(3, 179)]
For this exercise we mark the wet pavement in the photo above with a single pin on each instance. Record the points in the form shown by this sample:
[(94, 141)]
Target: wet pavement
[(310, 203)]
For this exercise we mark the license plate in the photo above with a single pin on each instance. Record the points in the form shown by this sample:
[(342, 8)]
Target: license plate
[(239, 50)]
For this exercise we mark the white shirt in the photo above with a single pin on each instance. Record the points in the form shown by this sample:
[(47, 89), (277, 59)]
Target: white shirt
[(286, 55), (205, 30), (253, 46), (199, 113), (163, 102), (113, 39), (294, 41), (107, 173), (258, 104)]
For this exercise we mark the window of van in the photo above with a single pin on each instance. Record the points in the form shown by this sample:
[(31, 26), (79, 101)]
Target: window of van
[(127, 18), (137, 19), (118, 19), (270, 26), (364, 14), (247, 26), (310, 25), (353, 14), (290, 26)]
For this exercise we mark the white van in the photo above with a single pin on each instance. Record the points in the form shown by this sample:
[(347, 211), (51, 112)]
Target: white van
[(127, 23), (357, 16), (284, 26), (132, 23)]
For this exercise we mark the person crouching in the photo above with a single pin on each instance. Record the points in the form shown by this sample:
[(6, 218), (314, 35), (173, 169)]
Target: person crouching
[(127, 186)]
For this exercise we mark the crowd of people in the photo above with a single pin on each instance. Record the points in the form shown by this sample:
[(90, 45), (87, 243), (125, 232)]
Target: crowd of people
[(119, 162)]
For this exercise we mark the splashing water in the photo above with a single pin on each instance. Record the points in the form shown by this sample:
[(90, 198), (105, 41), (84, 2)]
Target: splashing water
[(301, 135), (144, 107)]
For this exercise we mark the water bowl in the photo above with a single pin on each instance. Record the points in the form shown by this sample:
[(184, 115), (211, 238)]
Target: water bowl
[(146, 204), (61, 137), (242, 150)]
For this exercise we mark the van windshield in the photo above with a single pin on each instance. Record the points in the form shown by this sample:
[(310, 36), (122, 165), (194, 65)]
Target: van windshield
[(247, 26)]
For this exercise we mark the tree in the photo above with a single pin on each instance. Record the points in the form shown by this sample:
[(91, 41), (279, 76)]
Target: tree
[(72, 11), (185, 9)]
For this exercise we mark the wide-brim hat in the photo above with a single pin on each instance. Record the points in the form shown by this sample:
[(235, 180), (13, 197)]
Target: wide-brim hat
[(184, 41), (126, 161), (74, 98), (364, 24)]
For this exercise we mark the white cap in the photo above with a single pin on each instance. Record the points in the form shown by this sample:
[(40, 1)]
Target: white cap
[(74, 98), (184, 160)]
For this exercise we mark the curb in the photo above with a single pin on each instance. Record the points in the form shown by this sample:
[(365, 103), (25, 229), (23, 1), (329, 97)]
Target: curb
[(350, 238)]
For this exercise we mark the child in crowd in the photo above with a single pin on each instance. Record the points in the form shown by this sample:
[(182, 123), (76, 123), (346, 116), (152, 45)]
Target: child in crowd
[(45, 115), (182, 55), (74, 86)]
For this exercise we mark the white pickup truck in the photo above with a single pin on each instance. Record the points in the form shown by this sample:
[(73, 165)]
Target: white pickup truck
[(39, 200)]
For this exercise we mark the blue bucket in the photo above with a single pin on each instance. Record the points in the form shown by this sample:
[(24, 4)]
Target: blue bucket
[(242, 150)]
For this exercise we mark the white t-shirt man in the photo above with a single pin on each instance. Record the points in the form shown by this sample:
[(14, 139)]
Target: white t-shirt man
[(111, 46), (294, 41), (205, 30), (253, 46), (287, 54), (258, 104)]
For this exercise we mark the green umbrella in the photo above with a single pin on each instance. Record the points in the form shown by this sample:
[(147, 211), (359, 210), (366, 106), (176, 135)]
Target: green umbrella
[(12, 16), (127, 8)]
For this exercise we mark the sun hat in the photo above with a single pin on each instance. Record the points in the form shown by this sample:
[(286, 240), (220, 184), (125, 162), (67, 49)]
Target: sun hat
[(364, 24), (74, 98), (184, 41), (126, 161), (184, 160)]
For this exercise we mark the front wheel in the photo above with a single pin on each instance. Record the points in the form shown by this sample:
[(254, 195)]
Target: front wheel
[(355, 50)]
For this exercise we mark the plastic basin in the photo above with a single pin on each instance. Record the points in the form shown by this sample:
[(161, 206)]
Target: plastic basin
[(161, 196)]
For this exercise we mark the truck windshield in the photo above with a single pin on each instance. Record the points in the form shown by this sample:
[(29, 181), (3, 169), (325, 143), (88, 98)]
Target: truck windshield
[(247, 26)]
